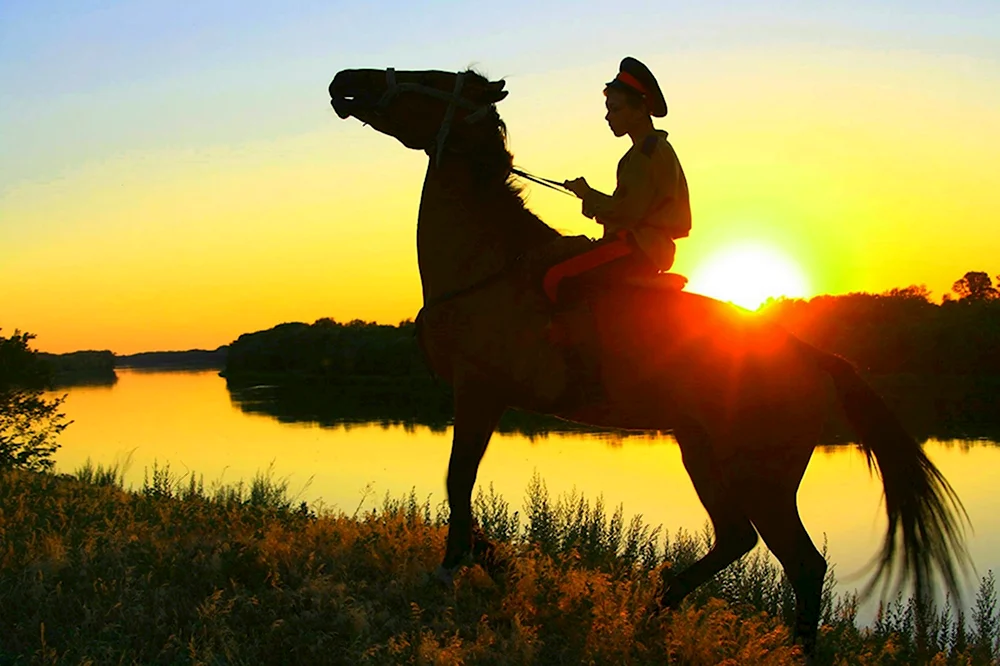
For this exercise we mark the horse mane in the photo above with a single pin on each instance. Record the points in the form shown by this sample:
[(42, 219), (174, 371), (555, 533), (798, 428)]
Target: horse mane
[(491, 170)]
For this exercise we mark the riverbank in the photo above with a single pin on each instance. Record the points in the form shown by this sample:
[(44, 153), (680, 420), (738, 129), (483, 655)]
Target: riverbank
[(175, 572), (97, 368), (81, 368)]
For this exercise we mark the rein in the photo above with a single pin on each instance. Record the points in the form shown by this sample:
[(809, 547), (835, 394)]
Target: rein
[(479, 111), (492, 277), (454, 100), (544, 182)]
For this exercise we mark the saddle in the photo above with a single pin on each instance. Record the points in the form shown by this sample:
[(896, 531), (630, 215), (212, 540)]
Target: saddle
[(565, 258), (665, 281), (561, 266)]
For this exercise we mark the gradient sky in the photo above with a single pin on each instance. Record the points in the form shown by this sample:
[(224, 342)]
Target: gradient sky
[(172, 175)]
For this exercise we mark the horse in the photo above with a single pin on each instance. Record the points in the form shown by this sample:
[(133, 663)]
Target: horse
[(746, 401)]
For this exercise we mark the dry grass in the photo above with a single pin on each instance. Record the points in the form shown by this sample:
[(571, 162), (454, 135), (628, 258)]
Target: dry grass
[(174, 573)]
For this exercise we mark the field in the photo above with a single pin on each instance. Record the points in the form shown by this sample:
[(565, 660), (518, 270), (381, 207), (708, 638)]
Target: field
[(179, 573)]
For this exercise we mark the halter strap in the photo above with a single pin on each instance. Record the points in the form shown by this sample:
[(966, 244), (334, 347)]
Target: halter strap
[(455, 100), (449, 113)]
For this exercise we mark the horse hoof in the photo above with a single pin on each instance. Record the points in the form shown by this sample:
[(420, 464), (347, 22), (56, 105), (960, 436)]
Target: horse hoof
[(667, 601), (446, 577), (669, 595)]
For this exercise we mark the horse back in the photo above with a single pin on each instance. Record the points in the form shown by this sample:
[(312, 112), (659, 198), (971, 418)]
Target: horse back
[(664, 355)]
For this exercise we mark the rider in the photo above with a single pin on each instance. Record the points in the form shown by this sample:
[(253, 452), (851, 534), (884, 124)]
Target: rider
[(650, 206), (648, 210)]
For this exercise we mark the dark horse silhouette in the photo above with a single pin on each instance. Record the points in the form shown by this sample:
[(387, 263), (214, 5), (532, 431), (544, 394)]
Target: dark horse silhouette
[(745, 401)]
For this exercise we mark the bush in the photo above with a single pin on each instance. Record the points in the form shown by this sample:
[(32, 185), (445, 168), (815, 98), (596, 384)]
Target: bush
[(29, 422)]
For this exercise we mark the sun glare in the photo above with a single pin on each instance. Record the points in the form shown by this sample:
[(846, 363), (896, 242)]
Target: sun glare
[(748, 275)]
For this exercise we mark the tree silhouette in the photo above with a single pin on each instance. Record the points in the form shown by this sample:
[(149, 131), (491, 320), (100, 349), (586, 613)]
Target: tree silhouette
[(29, 423), (917, 292), (976, 286)]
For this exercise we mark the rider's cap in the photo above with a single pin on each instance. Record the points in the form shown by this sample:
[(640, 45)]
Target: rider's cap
[(635, 76)]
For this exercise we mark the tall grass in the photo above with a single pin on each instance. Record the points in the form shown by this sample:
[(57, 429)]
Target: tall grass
[(175, 572)]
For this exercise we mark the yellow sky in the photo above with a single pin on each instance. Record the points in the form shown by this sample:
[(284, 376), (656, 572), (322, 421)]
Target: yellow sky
[(867, 170)]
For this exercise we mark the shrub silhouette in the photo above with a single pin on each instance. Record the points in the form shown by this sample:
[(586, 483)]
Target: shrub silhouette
[(29, 422)]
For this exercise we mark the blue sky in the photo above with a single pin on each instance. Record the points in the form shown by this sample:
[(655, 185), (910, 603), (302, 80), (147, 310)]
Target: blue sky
[(82, 78)]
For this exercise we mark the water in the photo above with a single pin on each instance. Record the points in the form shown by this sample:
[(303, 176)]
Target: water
[(189, 421)]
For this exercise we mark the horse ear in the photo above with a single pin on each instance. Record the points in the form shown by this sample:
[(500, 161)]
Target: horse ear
[(495, 91)]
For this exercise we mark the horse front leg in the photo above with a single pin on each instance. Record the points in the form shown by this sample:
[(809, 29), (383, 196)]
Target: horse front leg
[(476, 416)]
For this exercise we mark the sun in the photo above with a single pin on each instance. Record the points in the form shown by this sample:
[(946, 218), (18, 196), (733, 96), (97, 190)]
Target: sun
[(748, 275)]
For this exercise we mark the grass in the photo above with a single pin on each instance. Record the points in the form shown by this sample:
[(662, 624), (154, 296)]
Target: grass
[(177, 573)]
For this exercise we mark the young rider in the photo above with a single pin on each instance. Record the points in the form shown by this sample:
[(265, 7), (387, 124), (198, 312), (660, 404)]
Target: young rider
[(648, 210), (650, 206)]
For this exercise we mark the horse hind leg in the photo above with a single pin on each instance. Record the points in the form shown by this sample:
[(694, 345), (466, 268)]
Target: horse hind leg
[(734, 537), (774, 513), (734, 534)]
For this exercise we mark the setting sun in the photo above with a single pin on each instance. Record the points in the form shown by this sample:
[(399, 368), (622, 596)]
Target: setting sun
[(748, 275)]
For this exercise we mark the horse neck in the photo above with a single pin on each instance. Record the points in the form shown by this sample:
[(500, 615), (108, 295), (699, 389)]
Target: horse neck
[(468, 230)]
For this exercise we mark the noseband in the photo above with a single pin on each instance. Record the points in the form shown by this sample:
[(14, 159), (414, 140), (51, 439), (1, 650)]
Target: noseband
[(454, 100)]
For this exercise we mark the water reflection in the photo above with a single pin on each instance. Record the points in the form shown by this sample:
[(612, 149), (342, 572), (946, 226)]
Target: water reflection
[(64, 383), (406, 402), (952, 409), (357, 401)]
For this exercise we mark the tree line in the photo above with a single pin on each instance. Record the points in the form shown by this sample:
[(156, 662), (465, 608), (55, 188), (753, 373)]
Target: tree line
[(80, 367), (900, 331), (326, 350), (98, 367)]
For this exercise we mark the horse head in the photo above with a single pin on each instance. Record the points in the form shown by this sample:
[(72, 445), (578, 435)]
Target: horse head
[(422, 109)]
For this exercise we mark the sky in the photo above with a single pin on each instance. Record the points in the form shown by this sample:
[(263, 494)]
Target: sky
[(172, 174)]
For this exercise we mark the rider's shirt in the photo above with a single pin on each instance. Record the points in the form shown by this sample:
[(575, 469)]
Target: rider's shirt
[(650, 200)]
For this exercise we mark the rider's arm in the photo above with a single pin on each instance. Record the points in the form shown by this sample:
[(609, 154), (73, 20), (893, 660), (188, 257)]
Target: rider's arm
[(632, 198)]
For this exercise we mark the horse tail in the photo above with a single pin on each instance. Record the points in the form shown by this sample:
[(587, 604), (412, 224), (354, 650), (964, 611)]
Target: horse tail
[(925, 532)]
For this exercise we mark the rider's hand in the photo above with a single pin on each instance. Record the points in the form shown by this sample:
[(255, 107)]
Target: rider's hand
[(579, 187)]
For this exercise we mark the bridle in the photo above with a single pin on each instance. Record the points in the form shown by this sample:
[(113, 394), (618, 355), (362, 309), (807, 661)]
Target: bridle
[(478, 112), (455, 100)]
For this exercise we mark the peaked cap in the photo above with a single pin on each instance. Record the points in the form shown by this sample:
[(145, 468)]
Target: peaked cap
[(636, 77)]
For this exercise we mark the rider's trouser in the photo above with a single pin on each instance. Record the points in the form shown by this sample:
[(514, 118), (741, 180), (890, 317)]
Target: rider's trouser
[(611, 261)]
